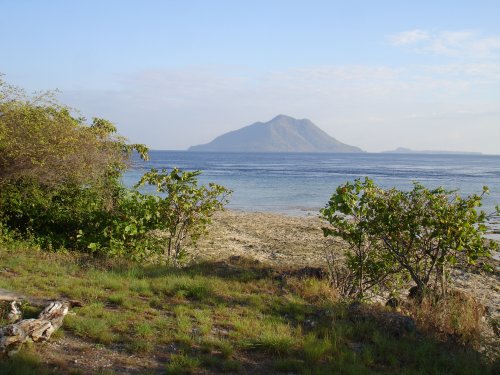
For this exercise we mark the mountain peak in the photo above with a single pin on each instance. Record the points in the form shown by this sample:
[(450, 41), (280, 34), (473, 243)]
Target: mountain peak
[(281, 134), (282, 117)]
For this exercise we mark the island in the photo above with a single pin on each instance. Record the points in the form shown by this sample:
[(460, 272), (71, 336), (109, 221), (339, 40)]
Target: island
[(404, 150), (281, 134)]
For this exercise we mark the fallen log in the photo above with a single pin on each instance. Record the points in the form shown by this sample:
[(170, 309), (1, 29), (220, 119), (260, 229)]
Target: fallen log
[(14, 335)]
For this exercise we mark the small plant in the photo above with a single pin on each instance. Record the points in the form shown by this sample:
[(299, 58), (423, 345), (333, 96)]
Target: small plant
[(186, 209), (182, 364), (275, 338), (315, 348), (219, 346), (457, 316)]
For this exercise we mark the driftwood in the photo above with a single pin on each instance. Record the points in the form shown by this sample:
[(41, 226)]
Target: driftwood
[(14, 335)]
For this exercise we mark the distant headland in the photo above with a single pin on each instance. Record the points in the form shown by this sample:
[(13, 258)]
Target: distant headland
[(281, 134), (403, 150)]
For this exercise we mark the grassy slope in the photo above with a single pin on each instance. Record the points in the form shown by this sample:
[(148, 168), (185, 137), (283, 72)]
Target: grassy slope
[(210, 318)]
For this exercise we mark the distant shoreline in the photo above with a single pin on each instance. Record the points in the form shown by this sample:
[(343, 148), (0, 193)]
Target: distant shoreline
[(442, 153), (403, 150)]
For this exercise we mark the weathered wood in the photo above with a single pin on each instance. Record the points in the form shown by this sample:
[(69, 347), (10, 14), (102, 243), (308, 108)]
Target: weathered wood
[(14, 313), (14, 335), (8, 296)]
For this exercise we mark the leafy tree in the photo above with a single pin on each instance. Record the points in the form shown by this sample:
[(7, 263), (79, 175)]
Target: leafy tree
[(422, 231), (60, 182), (186, 208), (58, 174), (42, 142)]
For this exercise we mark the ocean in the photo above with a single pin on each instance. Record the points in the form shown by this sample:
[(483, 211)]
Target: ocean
[(302, 183)]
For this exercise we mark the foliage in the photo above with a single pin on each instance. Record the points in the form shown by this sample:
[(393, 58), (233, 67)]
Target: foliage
[(418, 233), (41, 141), (186, 209), (367, 265), (58, 175), (60, 184), (456, 316)]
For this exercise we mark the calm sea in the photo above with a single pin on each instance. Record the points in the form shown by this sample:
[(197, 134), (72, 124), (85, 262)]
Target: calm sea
[(300, 184)]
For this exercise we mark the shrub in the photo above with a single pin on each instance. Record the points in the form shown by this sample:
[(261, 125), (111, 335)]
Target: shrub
[(367, 266), (186, 208), (416, 234), (59, 177), (60, 184), (42, 142)]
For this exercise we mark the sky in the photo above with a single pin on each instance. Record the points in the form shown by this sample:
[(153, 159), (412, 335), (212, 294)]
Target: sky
[(171, 74)]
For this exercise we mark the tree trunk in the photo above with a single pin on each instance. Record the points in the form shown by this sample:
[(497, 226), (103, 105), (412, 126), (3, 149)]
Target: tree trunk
[(443, 280)]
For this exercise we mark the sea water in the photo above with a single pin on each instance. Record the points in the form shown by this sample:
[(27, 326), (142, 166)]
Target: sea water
[(302, 183)]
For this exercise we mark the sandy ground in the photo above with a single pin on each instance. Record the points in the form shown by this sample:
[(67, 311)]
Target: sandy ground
[(270, 238)]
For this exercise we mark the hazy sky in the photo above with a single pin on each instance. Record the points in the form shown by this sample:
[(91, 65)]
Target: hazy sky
[(375, 74)]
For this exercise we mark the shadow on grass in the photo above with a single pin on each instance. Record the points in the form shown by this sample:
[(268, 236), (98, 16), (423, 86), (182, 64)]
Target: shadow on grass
[(25, 363), (232, 269)]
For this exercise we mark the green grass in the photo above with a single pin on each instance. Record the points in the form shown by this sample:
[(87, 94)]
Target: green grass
[(182, 364), (220, 318)]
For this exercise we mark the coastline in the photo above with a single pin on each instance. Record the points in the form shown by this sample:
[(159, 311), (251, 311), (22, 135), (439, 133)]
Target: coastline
[(272, 238)]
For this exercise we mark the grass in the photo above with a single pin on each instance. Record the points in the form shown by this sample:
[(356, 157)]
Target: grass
[(182, 364), (457, 316), (217, 318)]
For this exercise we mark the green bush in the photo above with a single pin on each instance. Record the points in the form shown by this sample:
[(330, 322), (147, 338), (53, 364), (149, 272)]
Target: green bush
[(60, 185), (417, 234), (186, 208), (367, 265)]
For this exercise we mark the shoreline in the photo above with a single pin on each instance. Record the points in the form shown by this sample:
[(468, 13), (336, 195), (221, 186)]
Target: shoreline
[(268, 237), (493, 232)]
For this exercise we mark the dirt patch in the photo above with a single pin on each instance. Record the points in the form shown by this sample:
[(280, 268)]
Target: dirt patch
[(270, 238), (72, 353)]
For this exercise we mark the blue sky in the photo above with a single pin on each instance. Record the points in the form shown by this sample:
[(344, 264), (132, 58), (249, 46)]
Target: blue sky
[(376, 74)]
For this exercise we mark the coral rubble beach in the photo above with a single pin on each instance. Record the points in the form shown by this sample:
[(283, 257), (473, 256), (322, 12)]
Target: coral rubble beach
[(268, 237)]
